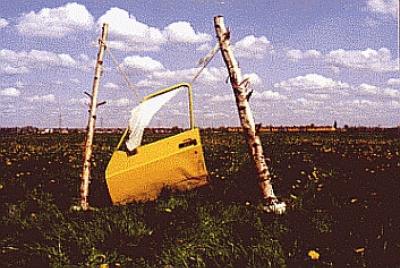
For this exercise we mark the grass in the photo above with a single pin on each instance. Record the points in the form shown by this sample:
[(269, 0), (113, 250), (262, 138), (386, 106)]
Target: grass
[(340, 191)]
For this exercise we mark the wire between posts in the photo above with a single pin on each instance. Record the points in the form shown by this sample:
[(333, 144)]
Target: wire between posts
[(205, 61), (120, 70)]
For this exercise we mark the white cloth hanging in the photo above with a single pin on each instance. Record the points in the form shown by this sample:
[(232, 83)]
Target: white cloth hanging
[(142, 114)]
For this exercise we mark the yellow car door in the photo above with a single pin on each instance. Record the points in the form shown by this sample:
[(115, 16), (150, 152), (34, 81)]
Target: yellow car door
[(175, 162)]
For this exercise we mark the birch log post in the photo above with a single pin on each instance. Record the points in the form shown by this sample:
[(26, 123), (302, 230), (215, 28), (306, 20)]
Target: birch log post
[(242, 95), (84, 188)]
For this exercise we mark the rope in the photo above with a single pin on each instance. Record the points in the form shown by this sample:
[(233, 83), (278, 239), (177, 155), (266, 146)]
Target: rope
[(205, 61), (119, 69), (122, 73)]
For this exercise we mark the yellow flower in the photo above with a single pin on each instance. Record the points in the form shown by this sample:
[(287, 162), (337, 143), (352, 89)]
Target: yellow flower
[(314, 255)]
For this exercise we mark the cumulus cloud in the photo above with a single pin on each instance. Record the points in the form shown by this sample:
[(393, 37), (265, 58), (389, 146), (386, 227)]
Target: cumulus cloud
[(373, 60), (369, 59), (384, 7), (42, 98), (252, 47), (367, 89), (75, 80), (254, 79), (167, 77), (81, 101), (111, 85), (208, 77), (129, 34), (10, 92), (19, 62), (394, 82), (119, 102), (312, 82), (296, 54), (223, 98), (204, 47), (268, 95), (182, 32), (317, 97), (3, 23), (364, 103), (216, 77), (140, 63), (311, 104), (6, 68), (55, 22)]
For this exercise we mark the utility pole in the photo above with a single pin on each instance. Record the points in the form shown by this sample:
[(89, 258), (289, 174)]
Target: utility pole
[(242, 95), (84, 189)]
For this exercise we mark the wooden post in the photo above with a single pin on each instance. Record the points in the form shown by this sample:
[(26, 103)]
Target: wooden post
[(84, 189), (242, 95)]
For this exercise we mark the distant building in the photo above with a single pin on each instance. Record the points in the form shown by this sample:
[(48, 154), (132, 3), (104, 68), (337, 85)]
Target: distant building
[(8, 131)]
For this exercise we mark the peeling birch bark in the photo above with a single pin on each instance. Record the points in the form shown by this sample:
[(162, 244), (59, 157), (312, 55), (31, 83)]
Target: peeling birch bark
[(242, 95)]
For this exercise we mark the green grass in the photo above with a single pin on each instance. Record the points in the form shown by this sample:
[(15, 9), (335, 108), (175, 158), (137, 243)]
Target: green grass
[(340, 191)]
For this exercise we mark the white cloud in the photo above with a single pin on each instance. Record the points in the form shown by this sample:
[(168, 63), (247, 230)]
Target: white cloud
[(10, 92), (204, 47), (43, 98), (310, 104), (20, 62), (75, 80), (369, 59), (394, 104), (215, 75), (140, 63), (296, 54), (19, 84), (317, 97), (223, 98), (182, 32), (268, 95), (394, 82), (364, 103), (82, 101), (167, 77), (55, 22), (254, 79), (83, 57), (390, 92), (209, 76), (3, 23), (129, 34), (252, 47), (384, 7), (111, 85), (312, 82), (119, 102), (214, 115), (367, 89), (6, 68)]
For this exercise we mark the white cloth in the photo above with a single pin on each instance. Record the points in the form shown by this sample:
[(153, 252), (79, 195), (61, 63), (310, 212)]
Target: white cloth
[(141, 117)]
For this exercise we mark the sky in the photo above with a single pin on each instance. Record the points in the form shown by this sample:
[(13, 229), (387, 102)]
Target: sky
[(309, 61)]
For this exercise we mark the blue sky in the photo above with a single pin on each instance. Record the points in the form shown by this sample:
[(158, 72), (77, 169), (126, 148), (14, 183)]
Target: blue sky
[(309, 61)]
